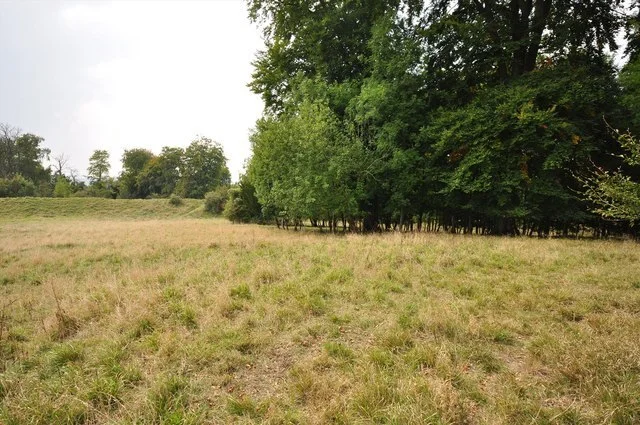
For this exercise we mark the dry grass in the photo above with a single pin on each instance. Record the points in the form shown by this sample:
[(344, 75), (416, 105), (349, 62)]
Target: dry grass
[(201, 321)]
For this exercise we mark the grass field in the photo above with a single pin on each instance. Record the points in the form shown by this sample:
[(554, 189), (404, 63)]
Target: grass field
[(200, 321), (19, 208)]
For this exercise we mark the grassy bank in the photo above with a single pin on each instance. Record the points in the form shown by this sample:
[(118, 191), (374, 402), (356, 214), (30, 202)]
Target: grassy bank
[(192, 321), (18, 208)]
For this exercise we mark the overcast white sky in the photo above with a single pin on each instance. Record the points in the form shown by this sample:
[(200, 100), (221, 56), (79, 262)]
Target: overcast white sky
[(114, 75)]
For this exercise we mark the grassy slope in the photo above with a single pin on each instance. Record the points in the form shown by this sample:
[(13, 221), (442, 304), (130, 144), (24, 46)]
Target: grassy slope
[(14, 208), (192, 321)]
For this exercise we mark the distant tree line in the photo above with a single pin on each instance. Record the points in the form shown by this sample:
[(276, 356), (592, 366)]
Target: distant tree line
[(457, 115), (21, 169), (188, 173)]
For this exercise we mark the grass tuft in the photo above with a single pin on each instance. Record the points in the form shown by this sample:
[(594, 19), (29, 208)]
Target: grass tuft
[(241, 291), (244, 406), (339, 351)]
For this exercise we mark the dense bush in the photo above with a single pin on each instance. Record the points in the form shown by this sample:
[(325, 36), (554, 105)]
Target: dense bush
[(175, 200), (94, 191), (63, 188), (215, 200), (16, 186), (242, 205)]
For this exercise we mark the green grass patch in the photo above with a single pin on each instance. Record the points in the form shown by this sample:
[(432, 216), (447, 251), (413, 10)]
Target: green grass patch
[(18, 208)]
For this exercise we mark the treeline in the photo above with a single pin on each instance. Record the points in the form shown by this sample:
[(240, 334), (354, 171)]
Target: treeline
[(21, 170), (190, 173), (464, 116)]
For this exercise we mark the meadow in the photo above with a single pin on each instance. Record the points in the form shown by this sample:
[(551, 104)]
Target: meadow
[(172, 317)]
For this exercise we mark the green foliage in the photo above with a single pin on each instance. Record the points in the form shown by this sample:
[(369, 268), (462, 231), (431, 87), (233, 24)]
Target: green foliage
[(305, 166), (215, 200), (21, 157), (108, 187), (29, 155), (134, 162), (327, 41), (242, 204), (472, 116), (98, 166), (17, 186), (190, 173), (161, 173), (630, 82), (504, 39), (204, 168), (507, 153), (616, 195), (63, 188), (175, 200)]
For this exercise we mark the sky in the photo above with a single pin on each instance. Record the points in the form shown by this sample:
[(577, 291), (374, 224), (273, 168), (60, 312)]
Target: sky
[(120, 75)]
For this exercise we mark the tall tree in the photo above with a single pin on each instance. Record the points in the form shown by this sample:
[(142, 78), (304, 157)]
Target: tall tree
[(204, 167), (60, 162), (133, 163), (326, 39), (98, 166), (161, 174), (8, 136), (468, 112), (22, 154), (471, 43), (29, 157)]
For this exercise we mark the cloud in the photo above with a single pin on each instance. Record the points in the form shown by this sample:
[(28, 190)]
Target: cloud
[(173, 71)]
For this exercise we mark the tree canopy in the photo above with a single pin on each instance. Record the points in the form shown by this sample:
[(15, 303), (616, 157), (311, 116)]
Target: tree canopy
[(22, 172), (98, 166), (467, 115), (190, 172)]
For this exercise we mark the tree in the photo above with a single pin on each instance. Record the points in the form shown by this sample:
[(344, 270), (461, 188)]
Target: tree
[(304, 166), (161, 174), (134, 162), (16, 186), (465, 114), (242, 206), (472, 43), (59, 164), (204, 168), (214, 201), (8, 136), (98, 166), (29, 157), (23, 154), (326, 40), (506, 157), (63, 188), (614, 194), (73, 176)]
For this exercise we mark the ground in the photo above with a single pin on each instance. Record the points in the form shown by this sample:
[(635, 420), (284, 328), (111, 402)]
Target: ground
[(196, 320)]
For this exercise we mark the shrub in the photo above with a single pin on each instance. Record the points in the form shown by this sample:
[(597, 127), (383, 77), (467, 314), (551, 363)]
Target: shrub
[(17, 186), (175, 200), (242, 205), (215, 200), (44, 189), (108, 189), (63, 188)]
